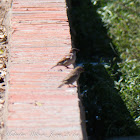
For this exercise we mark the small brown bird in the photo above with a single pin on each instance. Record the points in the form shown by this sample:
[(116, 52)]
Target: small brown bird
[(68, 59), (72, 77)]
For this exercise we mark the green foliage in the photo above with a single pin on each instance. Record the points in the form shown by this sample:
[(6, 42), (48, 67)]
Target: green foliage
[(100, 98), (122, 19), (129, 87), (108, 36)]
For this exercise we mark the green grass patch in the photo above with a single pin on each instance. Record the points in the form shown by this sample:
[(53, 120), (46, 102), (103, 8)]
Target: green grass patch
[(107, 34)]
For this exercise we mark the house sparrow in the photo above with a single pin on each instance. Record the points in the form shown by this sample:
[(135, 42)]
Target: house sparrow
[(72, 77), (68, 59)]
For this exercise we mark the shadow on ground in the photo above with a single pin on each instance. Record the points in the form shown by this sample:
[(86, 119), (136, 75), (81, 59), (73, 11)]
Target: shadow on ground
[(106, 113)]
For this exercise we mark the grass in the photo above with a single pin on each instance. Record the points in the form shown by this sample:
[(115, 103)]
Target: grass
[(122, 21), (106, 32)]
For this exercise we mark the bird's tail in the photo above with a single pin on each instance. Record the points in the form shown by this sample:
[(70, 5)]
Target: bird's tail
[(53, 66), (60, 85)]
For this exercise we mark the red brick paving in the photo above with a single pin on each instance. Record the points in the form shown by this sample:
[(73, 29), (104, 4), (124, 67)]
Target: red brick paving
[(37, 109)]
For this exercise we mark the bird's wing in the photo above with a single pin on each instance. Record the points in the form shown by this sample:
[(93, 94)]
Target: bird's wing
[(65, 59), (70, 77)]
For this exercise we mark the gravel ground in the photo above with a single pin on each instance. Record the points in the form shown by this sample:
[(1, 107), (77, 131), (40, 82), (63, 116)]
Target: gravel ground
[(3, 62)]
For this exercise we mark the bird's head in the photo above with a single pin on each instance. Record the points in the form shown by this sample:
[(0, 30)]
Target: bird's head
[(79, 69), (74, 50)]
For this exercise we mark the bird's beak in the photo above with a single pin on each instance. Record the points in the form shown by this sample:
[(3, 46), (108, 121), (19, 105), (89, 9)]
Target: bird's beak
[(77, 50)]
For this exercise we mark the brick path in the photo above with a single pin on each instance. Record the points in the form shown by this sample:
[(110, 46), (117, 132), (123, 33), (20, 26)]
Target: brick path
[(37, 109)]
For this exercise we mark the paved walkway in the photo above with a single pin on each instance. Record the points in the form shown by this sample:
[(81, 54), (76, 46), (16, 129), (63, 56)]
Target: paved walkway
[(37, 109)]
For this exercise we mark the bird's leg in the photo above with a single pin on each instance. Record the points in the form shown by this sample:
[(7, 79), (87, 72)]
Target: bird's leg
[(72, 86), (60, 70), (69, 85), (67, 67)]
